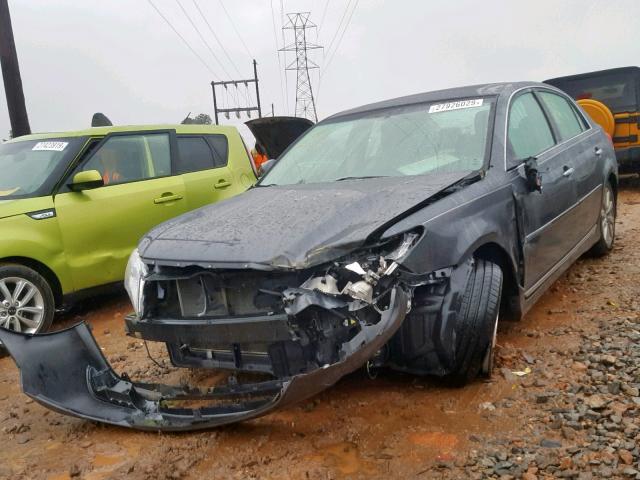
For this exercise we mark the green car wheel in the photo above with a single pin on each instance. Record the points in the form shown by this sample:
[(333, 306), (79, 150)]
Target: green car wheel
[(26, 300)]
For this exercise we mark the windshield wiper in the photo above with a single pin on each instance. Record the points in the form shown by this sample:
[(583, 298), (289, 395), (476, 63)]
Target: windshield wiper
[(360, 178)]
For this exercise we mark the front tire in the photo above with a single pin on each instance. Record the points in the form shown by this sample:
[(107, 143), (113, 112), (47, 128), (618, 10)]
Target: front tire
[(607, 222), (27, 304), (476, 329)]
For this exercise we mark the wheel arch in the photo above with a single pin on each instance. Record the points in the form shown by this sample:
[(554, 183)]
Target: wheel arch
[(42, 269)]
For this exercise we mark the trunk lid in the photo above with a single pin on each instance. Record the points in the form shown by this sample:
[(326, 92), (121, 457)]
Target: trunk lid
[(275, 134)]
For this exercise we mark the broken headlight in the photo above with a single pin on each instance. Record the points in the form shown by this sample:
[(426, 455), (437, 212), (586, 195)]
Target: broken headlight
[(134, 280), (357, 281)]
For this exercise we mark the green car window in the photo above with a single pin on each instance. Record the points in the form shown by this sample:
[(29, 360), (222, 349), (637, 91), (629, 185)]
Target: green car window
[(130, 158), (32, 167)]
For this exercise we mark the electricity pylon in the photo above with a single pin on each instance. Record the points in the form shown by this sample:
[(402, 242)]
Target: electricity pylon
[(300, 24)]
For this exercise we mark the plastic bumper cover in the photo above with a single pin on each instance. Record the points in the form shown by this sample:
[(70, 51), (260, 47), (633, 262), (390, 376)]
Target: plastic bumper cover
[(66, 371)]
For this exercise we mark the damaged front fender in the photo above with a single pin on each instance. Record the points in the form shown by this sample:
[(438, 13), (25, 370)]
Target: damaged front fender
[(66, 372)]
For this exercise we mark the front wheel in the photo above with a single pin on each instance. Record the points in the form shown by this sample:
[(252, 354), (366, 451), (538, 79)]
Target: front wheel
[(26, 300), (607, 222), (477, 326)]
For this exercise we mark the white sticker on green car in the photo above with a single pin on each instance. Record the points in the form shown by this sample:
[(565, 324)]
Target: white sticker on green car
[(50, 146), (444, 107)]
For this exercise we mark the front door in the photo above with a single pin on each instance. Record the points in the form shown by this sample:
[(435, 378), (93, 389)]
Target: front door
[(101, 227), (546, 217)]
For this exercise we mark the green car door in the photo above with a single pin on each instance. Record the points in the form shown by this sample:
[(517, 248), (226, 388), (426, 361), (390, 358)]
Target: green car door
[(202, 162), (101, 226)]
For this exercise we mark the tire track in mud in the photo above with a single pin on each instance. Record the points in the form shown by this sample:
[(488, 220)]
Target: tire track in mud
[(396, 425)]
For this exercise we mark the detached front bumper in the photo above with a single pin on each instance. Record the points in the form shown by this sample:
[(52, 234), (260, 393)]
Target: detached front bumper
[(66, 371)]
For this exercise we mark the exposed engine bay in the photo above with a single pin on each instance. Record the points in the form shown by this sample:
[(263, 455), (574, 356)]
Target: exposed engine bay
[(281, 323)]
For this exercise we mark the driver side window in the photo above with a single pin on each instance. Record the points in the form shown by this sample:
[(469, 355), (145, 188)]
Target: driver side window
[(529, 132), (130, 158)]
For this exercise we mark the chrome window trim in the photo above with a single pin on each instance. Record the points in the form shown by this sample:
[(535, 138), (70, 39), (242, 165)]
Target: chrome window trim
[(533, 88)]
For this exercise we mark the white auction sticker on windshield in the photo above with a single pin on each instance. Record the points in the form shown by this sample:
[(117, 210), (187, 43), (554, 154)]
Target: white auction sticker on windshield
[(445, 107), (50, 146)]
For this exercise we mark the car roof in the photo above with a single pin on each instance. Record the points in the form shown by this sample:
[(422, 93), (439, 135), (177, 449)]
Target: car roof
[(504, 88), (630, 70), (102, 131)]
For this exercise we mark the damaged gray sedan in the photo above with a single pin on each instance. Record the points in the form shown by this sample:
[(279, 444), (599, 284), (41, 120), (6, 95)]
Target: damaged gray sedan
[(392, 235)]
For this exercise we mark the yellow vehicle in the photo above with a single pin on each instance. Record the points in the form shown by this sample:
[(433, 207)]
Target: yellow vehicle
[(612, 99)]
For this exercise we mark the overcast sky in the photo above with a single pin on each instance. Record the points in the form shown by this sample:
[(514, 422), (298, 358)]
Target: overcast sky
[(121, 58)]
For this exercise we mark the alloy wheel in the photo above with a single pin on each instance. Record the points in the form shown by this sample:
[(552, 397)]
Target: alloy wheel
[(608, 216), (21, 305)]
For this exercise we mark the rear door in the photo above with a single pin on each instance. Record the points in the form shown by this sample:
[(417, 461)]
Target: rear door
[(101, 227), (581, 151), (546, 218), (202, 163)]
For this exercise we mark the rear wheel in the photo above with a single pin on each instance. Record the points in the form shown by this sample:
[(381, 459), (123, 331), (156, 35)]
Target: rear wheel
[(607, 221), (477, 326), (26, 301)]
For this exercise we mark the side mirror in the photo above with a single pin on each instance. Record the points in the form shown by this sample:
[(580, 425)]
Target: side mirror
[(86, 180), (265, 167), (532, 174)]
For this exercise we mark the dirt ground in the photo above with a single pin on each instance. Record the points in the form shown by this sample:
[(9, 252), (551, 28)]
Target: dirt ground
[(396, 426)]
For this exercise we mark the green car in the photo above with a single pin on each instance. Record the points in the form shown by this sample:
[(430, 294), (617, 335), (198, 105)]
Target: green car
[(74, 205)]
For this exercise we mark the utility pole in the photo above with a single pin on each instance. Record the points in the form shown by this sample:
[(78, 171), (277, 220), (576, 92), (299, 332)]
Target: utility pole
[(237, 110), (300, 24), (11, 75)]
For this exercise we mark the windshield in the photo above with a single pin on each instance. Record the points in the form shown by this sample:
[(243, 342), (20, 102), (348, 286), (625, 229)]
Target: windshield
[(28, 166), (447, 136), (617, 91)]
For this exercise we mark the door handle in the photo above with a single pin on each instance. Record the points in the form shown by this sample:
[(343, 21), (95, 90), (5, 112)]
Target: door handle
[(598, 151), (567, 171), (166, 198), (222, 183)]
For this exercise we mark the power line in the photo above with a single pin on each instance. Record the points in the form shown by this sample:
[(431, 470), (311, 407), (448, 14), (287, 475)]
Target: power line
[(236, 29), (226, 53), (332, 54), (326, 65), (284, 42), (335, 35), (275, 39), (206, 65), (324, 14), (215, 36), (195, 27)]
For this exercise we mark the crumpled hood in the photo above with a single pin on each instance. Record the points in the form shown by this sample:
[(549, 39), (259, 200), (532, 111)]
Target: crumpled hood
[(19, 206), (292, 226)]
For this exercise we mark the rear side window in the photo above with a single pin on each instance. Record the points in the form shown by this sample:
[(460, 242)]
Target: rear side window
[(220, 148), (529, 132), (194, 154), (563, 115)]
